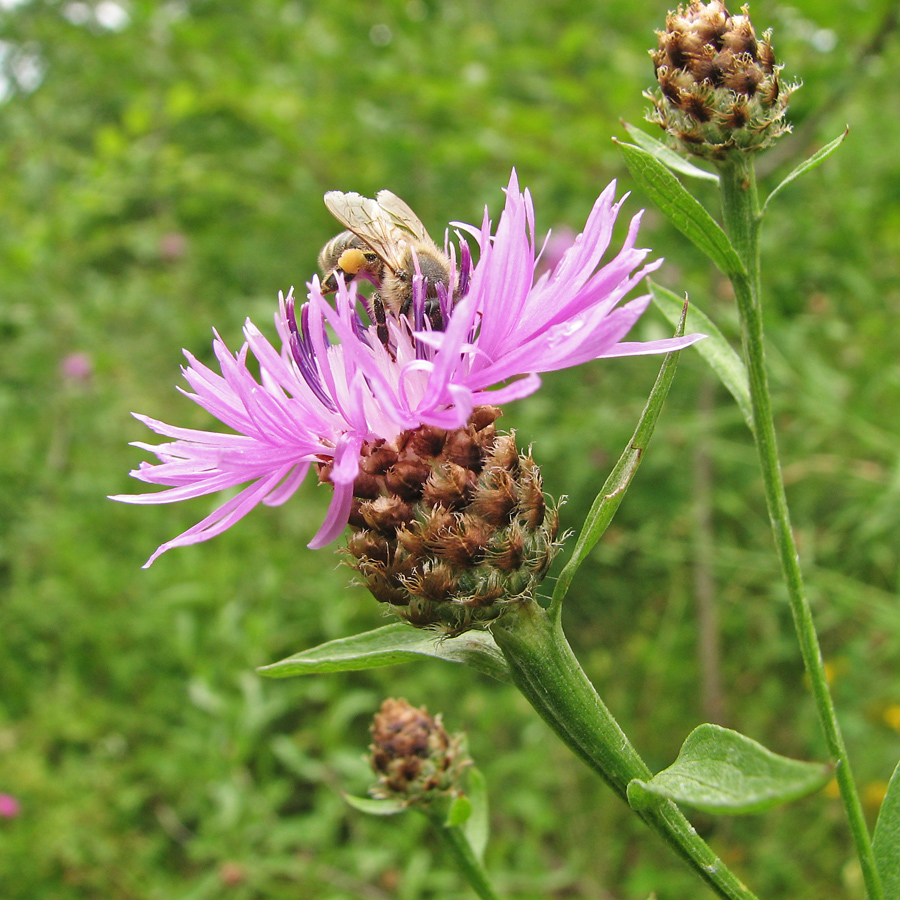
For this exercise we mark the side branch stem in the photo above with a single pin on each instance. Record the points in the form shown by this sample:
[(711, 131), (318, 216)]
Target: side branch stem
[(465, 858), (741, 214), (545, 670)]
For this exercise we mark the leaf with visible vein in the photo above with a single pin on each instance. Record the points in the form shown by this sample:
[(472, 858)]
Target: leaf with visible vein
[(667, 156), (393, 644), (724, 772), (815, 160), (682, 210)]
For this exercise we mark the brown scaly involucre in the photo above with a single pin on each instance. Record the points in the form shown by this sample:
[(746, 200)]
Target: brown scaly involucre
[(451, 527), (416, 760), (720, 89)]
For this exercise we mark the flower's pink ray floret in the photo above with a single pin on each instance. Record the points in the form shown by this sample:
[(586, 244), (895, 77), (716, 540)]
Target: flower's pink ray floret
[(318, 400)]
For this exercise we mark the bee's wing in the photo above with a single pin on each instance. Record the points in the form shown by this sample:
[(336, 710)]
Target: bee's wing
[(402, 216), (370, 223)]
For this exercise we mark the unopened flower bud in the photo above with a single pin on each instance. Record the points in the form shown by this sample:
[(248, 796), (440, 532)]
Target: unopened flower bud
[(413, 756), (720, 89), (454, 527)]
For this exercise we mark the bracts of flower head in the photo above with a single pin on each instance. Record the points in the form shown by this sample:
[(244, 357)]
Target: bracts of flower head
[(720, 89), (399, 427), (450, 527)]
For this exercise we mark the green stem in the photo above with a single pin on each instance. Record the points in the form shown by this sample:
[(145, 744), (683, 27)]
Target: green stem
[(742, 222), (546, 671), (457, 843)]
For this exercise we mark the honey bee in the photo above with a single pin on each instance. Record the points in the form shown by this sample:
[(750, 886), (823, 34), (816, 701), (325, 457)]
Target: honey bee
[(384, 242)]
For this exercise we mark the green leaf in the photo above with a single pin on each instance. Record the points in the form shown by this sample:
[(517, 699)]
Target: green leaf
[(386, 807), (613, 490), (886, 842), (393, 644), (459, 812), (815, 160), (716, 350), (682, 210), (723, 772), (477, 826), (666, 155)]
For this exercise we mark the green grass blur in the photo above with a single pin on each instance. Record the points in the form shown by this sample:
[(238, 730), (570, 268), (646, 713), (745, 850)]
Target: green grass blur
[(162, 174)]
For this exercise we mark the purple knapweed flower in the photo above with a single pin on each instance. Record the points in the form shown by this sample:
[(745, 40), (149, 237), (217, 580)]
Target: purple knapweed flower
[(321, 401)]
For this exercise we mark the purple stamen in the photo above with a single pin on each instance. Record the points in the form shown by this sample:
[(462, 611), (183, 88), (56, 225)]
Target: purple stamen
[(446, 305), (303, 354), (465, 268)]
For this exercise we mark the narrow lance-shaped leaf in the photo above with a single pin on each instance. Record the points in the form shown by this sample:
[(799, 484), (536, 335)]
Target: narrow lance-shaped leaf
[(682, 210), (886, 842), (667, 156), (393, 644), (815, 160), (723, 772), (716, 350), (613, 490)]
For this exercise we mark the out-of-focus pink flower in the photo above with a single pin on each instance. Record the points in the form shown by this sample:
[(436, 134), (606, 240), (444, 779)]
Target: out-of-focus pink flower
[(9, 806), (77, 368), (172, 246), (318, 401), (555, 246)]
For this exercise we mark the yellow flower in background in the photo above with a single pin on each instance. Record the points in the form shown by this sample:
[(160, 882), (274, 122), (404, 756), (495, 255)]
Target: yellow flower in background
[(891, 716)]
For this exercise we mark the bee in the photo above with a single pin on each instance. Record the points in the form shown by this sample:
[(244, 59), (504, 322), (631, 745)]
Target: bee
[(384, 242)]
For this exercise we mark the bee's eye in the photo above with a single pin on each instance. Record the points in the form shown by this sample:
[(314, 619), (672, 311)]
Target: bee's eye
[(352, 260)]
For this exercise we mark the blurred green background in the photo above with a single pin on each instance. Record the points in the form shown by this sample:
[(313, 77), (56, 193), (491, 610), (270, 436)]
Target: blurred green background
[(163, 165)]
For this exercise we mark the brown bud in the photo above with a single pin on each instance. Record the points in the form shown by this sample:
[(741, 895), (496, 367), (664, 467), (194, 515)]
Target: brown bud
[(707, 63), (414, 757)]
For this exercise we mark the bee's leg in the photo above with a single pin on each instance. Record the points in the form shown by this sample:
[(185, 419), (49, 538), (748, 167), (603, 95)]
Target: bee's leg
[(380, 316), (330, 284)]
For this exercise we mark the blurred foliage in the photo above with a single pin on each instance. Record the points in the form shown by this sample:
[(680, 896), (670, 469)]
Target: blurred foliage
[(163, 167)]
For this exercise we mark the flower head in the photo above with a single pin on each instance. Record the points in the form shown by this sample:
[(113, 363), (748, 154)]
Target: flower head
[(335, 392), (414, 757), (720, 89), (451, 528)]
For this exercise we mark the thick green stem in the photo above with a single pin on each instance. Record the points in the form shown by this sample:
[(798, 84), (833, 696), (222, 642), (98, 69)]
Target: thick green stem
[(742, 221), (546, 671)]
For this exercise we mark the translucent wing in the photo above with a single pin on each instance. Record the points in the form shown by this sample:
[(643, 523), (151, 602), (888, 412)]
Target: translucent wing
[(402, 216), (371, 224)]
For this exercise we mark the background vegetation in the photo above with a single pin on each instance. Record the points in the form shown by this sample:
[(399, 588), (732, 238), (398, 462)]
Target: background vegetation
[(163, 165)]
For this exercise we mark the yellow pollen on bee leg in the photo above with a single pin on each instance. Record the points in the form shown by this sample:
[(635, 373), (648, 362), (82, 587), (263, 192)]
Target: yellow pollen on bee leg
[(352, 260)]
